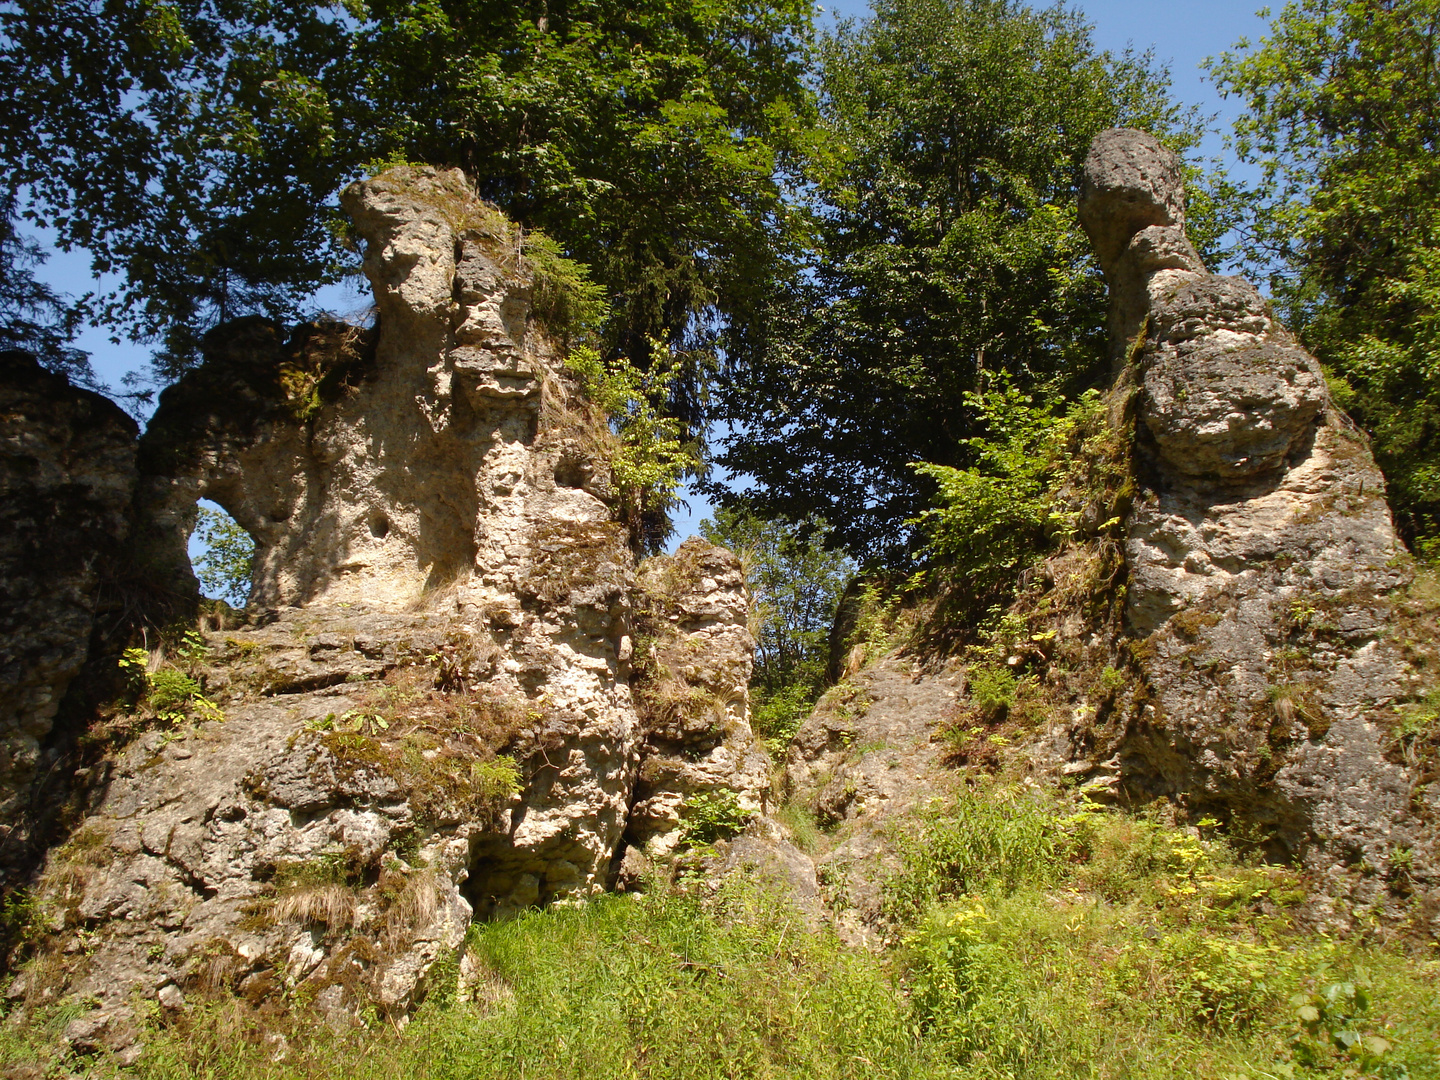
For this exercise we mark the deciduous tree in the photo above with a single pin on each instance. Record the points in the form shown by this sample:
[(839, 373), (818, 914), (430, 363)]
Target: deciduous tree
[(947, 251), (1343, 119), (194, 147)]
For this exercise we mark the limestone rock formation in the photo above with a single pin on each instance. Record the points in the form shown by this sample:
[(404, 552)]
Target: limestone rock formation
[(1264, 573), (67, 469), (427, 715), (694, 692)]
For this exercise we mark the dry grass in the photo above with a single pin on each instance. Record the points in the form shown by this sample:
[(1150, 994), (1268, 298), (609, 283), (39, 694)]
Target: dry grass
[(441, 748), (414, 909), (215, 968), (442, 702), (332, 906)]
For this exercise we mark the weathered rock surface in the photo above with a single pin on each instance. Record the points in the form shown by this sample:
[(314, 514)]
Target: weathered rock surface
[(428, 714), (67, 470), (1263, 567), (864, 763), (1234, 630)]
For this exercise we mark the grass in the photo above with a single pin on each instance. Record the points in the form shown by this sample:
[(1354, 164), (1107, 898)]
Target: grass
[(1032, 936)]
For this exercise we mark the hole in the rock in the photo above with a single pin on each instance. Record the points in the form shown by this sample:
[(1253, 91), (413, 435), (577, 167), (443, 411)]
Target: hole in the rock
[(379, 526), (504, 882), (569, 473), (222, 554)]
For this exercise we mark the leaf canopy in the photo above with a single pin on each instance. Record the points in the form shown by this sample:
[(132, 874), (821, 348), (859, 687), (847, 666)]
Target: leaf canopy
[(948, 252)]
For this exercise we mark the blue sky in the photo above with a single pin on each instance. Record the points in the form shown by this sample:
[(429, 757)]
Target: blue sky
[(1182, 33)]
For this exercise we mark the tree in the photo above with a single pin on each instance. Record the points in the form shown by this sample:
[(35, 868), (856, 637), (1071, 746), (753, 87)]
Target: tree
[(189, 147), (225, 563), (33, 318), (1343, 119), (948, 251), (652, 138), (195, 147)]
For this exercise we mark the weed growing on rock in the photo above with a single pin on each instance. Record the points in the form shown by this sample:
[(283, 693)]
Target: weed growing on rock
[(652, 454), (440, 749), (164, 692), (712, 815)]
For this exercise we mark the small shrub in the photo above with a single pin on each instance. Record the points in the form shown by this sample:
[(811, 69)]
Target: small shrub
[(993, 519), (711, 816), (169, 694), (972, 844), (968, 996), (1332, 1037), (1421, 719), (992, 688), (776, 717), (652, 455)]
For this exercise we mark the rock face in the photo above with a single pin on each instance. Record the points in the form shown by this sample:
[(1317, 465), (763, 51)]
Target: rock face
[(428, 715), (865, 762), (67, 470), (1262, 563)]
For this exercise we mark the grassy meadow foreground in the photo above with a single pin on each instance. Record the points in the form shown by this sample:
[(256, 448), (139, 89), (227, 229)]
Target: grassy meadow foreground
[(1032, 936)]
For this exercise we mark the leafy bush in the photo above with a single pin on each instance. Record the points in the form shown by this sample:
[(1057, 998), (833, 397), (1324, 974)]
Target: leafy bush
[(1332, 1036), (991, 521), (776, 717), (996, 841), (652, 455), (713, 815), (166, 692), (991, 687)]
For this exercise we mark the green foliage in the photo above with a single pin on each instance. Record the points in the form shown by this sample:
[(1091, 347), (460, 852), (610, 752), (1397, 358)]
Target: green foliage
[(328, 868), (992, 687), (188, 148), (195, 149), (1420, 719), (1103, 944), (170, 691), (992, 520), (775, 716), (1332, 1038), (970, 843), (165, 691), (947, 252), (1055, 939), (226, 564), (564, 297), (876, 625), (1343, 119), (32, 316), (652, 456), (22, 919), (652, 140), (712, 815)]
